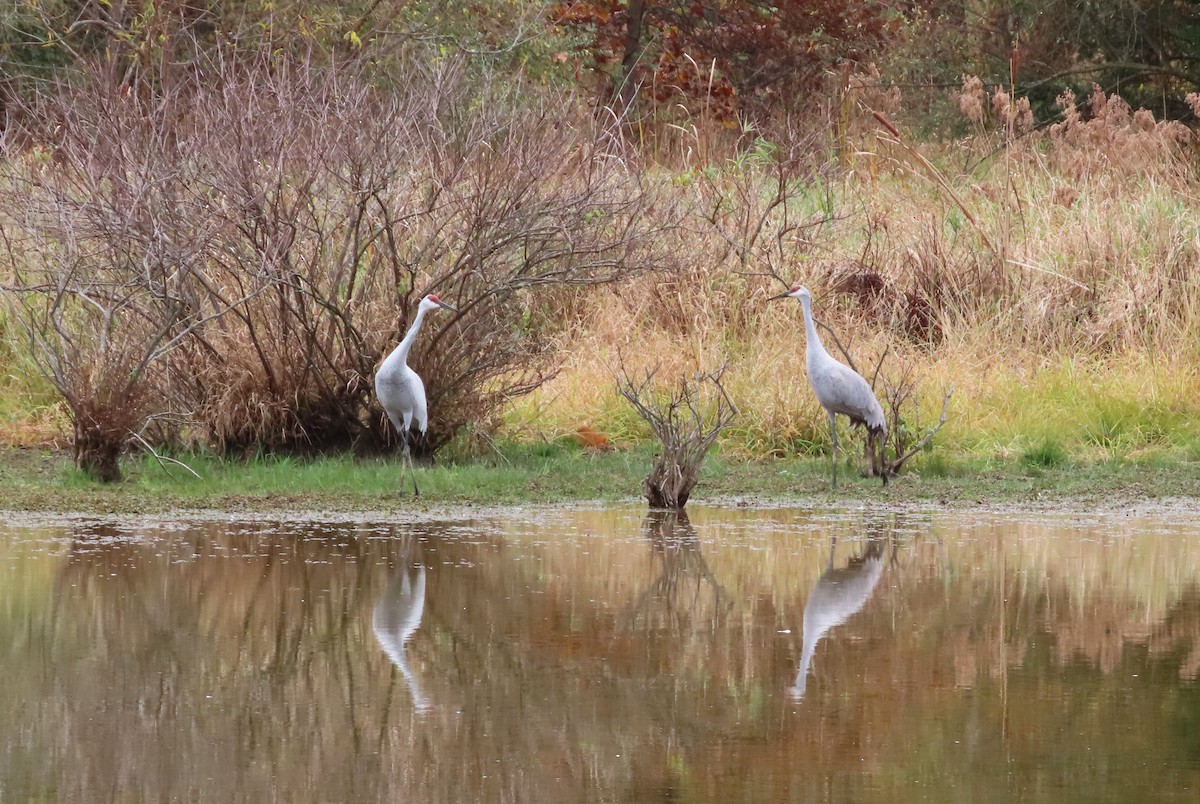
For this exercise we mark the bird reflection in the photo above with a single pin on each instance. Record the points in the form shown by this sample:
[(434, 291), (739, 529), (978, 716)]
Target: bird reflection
[(838, 594), (397, 615)]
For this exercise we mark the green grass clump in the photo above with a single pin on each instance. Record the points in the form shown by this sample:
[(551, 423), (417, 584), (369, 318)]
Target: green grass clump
[(1048, 454), (938, 464)]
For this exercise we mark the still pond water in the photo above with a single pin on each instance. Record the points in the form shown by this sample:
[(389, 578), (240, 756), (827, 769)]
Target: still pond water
[(760, 654)]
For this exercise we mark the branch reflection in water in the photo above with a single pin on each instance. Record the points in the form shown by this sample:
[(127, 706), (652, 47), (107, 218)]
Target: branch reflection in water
[(396, 617), (839, 593), (677, 592)]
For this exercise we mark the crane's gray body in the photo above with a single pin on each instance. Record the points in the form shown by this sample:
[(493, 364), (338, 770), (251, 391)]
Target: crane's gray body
[(398, 387), (400, 390), (840, 389)]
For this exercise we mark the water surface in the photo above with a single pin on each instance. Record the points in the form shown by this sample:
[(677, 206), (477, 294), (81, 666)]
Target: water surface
[(750, 654)]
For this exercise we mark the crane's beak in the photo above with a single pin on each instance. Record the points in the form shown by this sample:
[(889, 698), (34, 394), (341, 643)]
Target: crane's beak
[(445, 306), (783, 295)]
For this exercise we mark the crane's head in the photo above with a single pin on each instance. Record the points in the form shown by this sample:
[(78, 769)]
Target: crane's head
[(432, 302), (797, 291)]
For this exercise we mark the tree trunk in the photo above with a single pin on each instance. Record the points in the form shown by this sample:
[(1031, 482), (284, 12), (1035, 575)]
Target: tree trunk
[(626, 89), (669, 484), (97, 452)]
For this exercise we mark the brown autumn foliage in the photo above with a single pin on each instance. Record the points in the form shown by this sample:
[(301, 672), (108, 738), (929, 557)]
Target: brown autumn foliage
[(722, 59)]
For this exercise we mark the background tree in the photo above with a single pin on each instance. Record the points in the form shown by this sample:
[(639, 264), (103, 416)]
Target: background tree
[(726, 58), (1143, 50)]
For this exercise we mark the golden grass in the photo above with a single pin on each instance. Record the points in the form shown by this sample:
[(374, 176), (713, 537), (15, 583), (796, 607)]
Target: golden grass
[(1059, 274)]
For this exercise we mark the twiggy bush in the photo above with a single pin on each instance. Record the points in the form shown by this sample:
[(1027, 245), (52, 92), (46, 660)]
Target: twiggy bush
[(104, 246), (354, 204), (253, 243), (306, 165), (686, 425)]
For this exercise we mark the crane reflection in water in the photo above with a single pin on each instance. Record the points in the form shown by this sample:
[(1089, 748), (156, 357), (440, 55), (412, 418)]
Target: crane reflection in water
[(396, 618), (839, 593)]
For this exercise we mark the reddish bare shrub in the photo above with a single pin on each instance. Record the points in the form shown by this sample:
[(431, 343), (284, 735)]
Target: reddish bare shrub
[(104, 246), (252, 238), (346, 204)]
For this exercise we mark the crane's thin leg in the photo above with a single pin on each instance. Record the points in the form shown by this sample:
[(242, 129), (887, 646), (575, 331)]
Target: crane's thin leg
[(407, 462), (878, 446), (403, 459), (833, 430)]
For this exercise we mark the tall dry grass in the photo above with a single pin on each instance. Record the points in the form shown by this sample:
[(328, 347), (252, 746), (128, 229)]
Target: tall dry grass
[(1045, 274)]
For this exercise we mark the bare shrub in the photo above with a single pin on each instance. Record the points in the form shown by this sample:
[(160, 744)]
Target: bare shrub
[(353, 203), (301, 164), (901, 411), (769, 209), (686, 423), (316, 203), (104, 246)]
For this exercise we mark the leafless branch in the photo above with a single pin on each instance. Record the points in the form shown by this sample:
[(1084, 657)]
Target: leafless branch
[(892, 467), (162, 459)]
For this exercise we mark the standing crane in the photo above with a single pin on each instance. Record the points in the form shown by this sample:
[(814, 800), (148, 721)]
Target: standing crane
[(839, 388), (400, 389)]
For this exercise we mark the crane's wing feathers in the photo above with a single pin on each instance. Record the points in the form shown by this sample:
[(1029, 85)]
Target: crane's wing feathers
[(842, 390)]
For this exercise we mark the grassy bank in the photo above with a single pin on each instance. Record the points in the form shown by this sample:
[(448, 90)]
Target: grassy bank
[(45, 480)]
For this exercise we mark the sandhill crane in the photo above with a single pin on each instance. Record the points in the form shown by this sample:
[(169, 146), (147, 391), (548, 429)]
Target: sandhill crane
[(400, 389), (839, 388)]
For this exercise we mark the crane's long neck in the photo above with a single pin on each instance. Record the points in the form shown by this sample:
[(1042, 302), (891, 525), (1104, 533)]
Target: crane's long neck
[(812, 339), (401, 352), (800, 685)]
